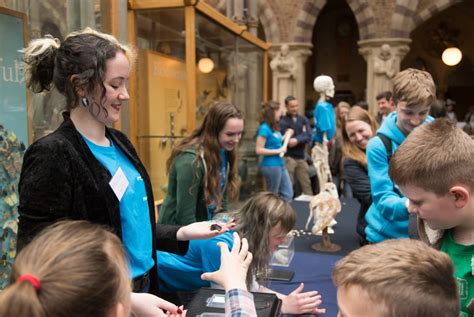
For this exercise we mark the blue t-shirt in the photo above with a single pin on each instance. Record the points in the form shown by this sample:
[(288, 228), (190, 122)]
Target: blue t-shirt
[(183, 273), (134, 211), (273, 141), (324, 121)]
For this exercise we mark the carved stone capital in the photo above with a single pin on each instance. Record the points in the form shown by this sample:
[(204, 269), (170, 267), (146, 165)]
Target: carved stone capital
[(239, 19), (252, 22), (399, 47), (383, 57), (298, 50)]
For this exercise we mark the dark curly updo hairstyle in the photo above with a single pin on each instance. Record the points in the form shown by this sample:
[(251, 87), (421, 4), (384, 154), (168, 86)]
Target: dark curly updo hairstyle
[(78, 62)]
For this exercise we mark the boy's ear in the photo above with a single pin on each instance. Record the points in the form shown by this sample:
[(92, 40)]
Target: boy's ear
[(460, 194), (392, 103)]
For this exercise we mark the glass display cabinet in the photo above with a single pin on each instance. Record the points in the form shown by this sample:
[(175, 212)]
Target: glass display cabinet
[(189, 57)]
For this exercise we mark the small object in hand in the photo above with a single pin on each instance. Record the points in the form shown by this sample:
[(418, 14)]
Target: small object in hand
[(216, 227)]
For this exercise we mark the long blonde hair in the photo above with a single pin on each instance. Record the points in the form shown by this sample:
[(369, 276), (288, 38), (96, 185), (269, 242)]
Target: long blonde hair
[(349, 149), (255, 220), (81, 269)]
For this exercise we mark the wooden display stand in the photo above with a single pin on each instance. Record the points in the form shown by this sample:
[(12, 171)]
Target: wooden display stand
[(326, 245)]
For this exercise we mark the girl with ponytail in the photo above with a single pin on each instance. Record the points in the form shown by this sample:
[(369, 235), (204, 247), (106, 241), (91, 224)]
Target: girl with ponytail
[(73, 268)]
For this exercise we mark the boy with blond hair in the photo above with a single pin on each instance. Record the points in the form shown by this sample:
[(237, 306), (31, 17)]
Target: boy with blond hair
[(387, 216), (435, 170), (396, 278)]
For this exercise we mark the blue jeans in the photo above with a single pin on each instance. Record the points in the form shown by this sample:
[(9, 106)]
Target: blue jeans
[(278, 181)]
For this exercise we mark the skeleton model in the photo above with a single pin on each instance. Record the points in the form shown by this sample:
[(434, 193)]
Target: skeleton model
[(325, 112), (320, 154), (323, 209)]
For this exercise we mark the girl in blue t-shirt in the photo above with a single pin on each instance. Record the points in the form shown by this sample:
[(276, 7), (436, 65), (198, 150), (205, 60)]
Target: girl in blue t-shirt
[(270, 145), (265, 221)]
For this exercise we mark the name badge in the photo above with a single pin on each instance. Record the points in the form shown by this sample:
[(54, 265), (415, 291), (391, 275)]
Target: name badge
[(119, 183)]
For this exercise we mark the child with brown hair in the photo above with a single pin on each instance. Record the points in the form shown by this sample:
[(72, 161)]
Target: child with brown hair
[(413, 93), (76, 268), (396, 278), (70, 269), (265, 221), (435, 171)]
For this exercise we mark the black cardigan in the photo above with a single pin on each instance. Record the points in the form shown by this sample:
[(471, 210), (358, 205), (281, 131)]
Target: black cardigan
[(357, 177), (62, 179)]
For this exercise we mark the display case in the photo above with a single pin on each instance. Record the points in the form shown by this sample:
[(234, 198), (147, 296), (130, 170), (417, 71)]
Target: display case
[(284, 253), (189, 57)]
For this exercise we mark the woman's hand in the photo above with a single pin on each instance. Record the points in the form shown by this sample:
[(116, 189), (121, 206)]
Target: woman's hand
[(234, 265), (203, 230), (289, 132), (144, 304), (282, 150), (298, 302)]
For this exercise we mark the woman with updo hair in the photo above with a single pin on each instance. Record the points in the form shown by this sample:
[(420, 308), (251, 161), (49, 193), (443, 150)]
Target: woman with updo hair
[(85, 170)]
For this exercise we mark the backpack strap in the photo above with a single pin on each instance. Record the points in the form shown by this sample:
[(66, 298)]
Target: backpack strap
[(388, 145)]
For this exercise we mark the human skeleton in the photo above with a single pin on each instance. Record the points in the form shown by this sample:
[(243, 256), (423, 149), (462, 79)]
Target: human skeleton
[(319, 155)]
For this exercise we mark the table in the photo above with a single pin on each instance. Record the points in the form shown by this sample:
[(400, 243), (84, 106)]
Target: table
[(314, 268)]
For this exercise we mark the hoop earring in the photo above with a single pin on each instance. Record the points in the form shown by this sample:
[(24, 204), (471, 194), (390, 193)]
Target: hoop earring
[(85, 102)]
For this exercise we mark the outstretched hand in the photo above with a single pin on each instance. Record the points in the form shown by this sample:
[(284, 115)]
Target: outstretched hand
[(203, 230), (298, 302), (148, 305), (234, 265)]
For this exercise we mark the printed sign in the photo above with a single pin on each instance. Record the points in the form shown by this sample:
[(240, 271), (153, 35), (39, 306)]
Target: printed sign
[(13, 100)]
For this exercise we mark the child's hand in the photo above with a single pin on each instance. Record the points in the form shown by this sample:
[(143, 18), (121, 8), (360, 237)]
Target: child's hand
[(144, 304), (297, 302), (234, 265)]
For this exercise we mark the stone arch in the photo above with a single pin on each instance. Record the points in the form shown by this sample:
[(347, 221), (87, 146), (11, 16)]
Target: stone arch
[(265, 15), (268, 20), (308, 15), (402, 18), (430, 11), (306, 20), (365, 18)]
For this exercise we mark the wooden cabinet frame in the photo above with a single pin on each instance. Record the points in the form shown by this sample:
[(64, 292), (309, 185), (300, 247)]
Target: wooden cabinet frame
[(190, 8)]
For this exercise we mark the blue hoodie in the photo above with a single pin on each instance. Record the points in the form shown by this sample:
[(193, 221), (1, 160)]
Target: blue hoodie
[(387, 217)]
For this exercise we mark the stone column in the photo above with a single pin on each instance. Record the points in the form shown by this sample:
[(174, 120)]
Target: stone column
[(380, 69), (238, 16), (80, 15), (286, 83), (252, 17)]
